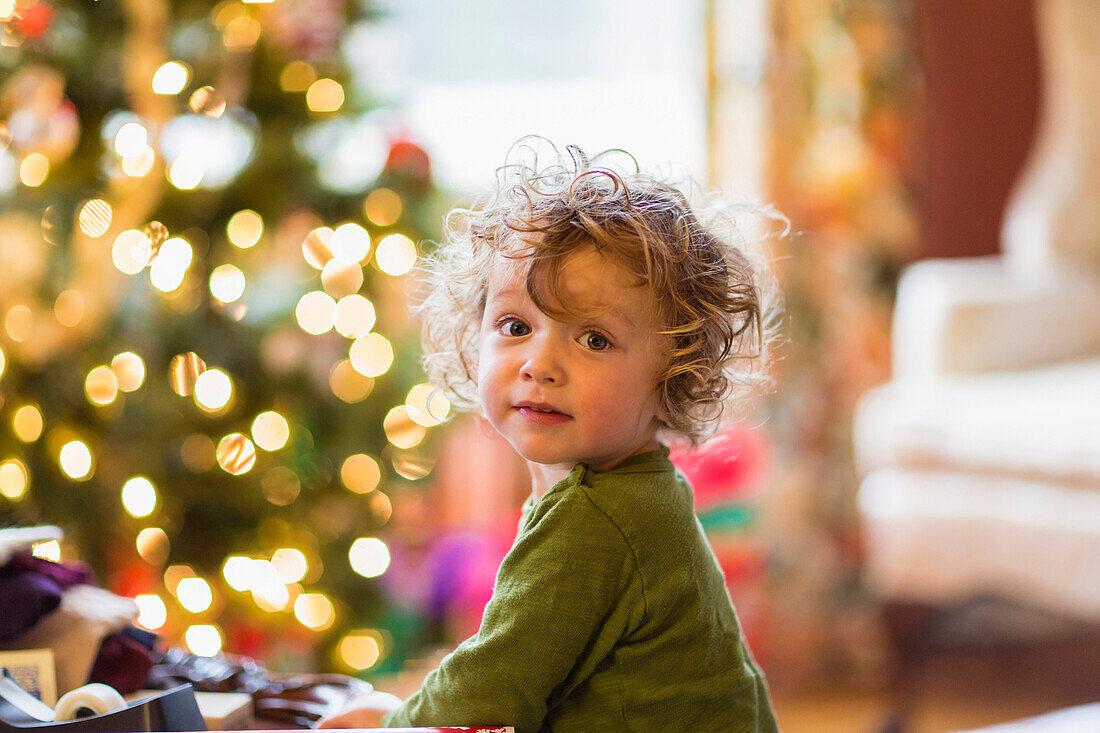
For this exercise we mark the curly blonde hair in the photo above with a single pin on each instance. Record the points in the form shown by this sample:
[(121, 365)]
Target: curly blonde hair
[(710, 296)]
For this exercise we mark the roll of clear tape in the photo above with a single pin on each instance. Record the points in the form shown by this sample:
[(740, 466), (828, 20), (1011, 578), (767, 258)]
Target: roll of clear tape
[(93, 699)]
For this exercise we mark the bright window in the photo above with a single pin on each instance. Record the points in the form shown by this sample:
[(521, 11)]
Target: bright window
[(474, 76)]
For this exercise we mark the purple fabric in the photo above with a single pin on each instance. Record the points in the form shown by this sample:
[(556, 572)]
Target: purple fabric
[(30, 588), (122, 662), (64, 575)]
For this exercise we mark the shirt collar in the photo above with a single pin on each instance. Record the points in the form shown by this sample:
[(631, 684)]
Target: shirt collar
[(654, 461)]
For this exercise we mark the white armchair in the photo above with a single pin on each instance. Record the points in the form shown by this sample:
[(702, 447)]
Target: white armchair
[(981, 459)]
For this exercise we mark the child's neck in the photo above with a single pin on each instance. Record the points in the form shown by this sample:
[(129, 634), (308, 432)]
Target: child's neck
[(543, 477)]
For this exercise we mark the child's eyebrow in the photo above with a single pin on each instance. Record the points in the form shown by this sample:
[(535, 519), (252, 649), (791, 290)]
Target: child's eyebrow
[(599, 311), (615, 314), (621, 316)]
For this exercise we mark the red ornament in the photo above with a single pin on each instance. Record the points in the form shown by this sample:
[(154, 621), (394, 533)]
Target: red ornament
[(247, 639), (409, 162), (726, 467), (33, 20), (135, 577)]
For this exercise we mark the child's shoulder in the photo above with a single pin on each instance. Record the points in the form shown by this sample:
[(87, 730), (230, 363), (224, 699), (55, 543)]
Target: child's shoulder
[(639, 497)]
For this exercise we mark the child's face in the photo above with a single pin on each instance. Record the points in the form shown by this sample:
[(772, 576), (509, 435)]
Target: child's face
[(563, 393)]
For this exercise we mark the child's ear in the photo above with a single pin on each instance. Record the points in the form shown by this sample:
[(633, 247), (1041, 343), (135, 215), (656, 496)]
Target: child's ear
[(661, 412)]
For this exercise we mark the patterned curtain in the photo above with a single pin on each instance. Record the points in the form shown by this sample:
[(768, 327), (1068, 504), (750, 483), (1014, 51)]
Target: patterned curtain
[(843, 129)]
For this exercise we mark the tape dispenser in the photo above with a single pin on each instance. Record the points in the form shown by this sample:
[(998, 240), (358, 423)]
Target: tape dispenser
[(98, 707)]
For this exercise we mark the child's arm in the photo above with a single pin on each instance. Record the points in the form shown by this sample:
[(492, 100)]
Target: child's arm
[(566, 592)]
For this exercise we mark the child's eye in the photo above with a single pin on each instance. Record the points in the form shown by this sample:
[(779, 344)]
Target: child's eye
[(515, 327), (596, 341)]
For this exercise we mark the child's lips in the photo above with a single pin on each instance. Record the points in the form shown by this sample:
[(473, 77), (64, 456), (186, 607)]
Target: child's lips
[(541, 414)]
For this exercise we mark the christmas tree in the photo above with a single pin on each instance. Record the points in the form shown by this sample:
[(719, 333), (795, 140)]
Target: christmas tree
[(208, 377)]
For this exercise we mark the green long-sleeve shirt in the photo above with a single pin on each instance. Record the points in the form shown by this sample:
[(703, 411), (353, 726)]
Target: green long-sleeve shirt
[(609, 614)]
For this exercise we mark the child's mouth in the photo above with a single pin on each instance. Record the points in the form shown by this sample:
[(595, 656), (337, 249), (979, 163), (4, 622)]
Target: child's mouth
[(542, 414)]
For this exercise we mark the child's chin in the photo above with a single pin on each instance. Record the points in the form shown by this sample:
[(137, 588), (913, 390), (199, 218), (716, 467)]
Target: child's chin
[(544, 456)]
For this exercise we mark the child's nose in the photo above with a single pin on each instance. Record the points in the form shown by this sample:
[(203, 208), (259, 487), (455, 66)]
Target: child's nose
[(543, 363)]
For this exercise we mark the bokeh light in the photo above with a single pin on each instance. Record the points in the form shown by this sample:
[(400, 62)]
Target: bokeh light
[(325, 95), (14, 479), (27, 423), (69, 307), (348, 384), (382, 207), (213, 390), (227, 283), (171, 78), (194, 594), (75, 460), (315, 247), (170, 267), (241, 33), (297, 76), (173, 574), (280, 485), (101, 386), (316, 312), (401, 429), (381, 508), (314, 611), (395, 255), (270, 431), (157, 233), (183, 371), (186, 173), (129, 370), (131, 139), (152, 545), (371, 355), (350, 243), (197, 451), (131, 251), (94, 218), (207, 101), (369, 556), (244, 229), (203, 639), (271, 597), (410, 463), (341, 278), (360, 650), (152, 613), (428, 405), (355, 316), (140, 163), (360, 473), (237, 571), (18, 322), (34, 169), (268, 591), (290, 564), (139, 496), (236, 454)]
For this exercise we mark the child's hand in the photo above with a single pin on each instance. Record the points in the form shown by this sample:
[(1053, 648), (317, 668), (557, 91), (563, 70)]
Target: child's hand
[(362, 711)]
